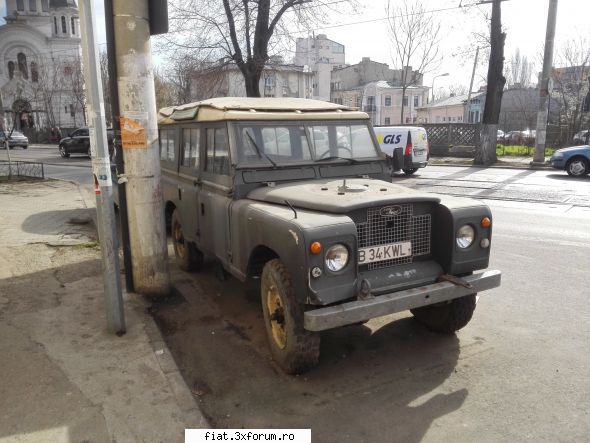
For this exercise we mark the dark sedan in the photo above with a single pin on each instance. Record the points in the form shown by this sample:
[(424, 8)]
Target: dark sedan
[(78, 142), (15, 139)]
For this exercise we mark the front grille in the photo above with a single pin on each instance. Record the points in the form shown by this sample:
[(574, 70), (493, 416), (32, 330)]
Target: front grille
[(405, 226)]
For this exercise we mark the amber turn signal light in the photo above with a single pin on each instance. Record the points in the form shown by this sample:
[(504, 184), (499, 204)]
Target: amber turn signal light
[(486, 222), (315, 247)]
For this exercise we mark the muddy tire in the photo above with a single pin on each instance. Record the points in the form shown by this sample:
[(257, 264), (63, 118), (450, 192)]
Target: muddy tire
[(188, 257), (293, 348), (448, 317)]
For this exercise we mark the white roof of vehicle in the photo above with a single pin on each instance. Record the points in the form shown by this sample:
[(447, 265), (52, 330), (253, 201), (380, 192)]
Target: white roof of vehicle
[(252, 108)]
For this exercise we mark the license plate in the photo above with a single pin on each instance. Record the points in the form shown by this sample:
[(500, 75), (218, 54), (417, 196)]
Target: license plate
[(384, 252)]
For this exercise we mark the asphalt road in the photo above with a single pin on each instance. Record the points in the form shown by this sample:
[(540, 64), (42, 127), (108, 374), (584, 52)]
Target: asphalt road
[(517, 372), (76, 168)]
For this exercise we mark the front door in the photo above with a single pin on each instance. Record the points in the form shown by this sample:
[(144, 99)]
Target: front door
[(215, 193), (189, 183)]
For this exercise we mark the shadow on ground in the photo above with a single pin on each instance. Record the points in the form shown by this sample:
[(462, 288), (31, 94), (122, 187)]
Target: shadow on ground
[(377, 381), (59, 221)]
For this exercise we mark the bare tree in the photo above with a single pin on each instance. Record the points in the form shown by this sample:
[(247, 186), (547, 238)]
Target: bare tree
[(571, 83), (518, 70), (414, 34), (486, 152), (75, 81), (243, 31)]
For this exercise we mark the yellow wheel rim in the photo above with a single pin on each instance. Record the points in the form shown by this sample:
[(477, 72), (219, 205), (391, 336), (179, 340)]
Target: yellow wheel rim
[(276, 314)]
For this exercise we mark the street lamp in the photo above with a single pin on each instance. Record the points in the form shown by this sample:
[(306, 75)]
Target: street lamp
[(440, 75)]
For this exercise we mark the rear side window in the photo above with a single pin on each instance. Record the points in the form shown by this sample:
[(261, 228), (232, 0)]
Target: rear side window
[(167, 145), (217, 161), (190, 140)]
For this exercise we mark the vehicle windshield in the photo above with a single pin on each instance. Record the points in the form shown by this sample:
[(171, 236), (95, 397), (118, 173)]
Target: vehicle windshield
[(280, 144)]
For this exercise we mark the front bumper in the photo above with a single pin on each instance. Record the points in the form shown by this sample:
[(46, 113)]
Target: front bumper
[(557, 163), (361, 310)]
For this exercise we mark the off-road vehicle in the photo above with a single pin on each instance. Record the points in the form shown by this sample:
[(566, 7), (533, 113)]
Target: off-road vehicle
[(294, 198)]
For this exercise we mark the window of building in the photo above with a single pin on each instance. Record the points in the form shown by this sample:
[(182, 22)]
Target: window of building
[(64, 28), (33, 5), (10, 70), (72, 111), (388, 100), (67, 70), (55, 24), (405, 100), (22, 65), (20, 5), (387, 120), (217, 160), (73, 20), (190, 156), (45, 5), (66, 109), (34, 72), (416, 101)]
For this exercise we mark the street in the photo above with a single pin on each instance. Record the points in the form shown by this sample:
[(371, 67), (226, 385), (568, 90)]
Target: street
[(76, 168), (517, 372)]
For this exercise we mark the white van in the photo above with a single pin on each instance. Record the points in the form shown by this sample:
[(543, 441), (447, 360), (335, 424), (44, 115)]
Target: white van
[(406, 146)]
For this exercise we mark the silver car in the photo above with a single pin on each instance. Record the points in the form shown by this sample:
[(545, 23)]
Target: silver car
[(15, 139)]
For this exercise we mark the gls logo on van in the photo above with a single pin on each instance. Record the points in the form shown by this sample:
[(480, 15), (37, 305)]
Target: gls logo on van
[(392, 139)]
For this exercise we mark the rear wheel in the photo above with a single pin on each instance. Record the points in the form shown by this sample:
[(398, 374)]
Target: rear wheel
[(447, 317), (63, 152), (293, 348), (189, 258), (577, 167), (410, 171)]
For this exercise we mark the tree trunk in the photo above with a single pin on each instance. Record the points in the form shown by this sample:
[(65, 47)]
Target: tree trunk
[(252, 81), (486, 154), (402, 114)]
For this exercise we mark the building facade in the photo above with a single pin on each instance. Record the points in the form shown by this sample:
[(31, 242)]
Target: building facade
[(277, 80), (321, 55), (41, 84)]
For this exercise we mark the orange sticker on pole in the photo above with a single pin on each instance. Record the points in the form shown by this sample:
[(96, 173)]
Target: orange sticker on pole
[(132, 134)]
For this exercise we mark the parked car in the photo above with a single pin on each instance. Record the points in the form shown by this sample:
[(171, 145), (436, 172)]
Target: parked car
[(500, 136), (582, 137), (405, 146), (78, 142), (294, 198), (575, 160), (15, 139)]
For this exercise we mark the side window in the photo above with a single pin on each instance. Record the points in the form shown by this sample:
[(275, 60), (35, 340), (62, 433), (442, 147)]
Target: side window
[(190, 140), (167, 145), (217, 151)]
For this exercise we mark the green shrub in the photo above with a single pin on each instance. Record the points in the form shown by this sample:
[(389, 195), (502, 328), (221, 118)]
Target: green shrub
[(520, 151)]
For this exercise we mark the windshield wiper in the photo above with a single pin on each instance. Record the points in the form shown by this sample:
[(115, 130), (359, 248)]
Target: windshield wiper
[(258, 151), (351, 161)]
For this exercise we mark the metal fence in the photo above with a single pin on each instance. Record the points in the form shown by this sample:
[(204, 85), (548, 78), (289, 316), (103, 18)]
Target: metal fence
[(451, 138), (21, 169)]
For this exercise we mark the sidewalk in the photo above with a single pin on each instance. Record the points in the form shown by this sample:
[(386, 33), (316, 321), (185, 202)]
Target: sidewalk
[(503, 162), (63, 377)]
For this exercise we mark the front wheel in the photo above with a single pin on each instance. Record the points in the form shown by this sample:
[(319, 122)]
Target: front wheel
[(293, 348), (189, 258), (410, 171), (577, 167), (447, 317), (63, 152)]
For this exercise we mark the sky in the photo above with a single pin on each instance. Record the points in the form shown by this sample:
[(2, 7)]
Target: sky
[(523, 20)]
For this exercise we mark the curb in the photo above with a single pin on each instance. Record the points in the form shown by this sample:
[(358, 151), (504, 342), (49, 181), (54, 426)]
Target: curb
[(499, 166), (192, 415)]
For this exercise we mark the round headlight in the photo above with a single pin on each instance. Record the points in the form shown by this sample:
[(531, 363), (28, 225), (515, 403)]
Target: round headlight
[(465, 236), (336, 257)]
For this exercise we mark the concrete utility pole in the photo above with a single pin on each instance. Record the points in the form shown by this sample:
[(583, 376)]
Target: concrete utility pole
[(101, 169), (541, 136), (468, 107), (139, 140)]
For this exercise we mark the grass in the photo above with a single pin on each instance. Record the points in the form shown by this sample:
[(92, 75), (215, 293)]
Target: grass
[(519, 151)]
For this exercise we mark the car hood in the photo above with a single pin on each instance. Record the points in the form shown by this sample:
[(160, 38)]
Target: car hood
[(339, 196), (572, 149)]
